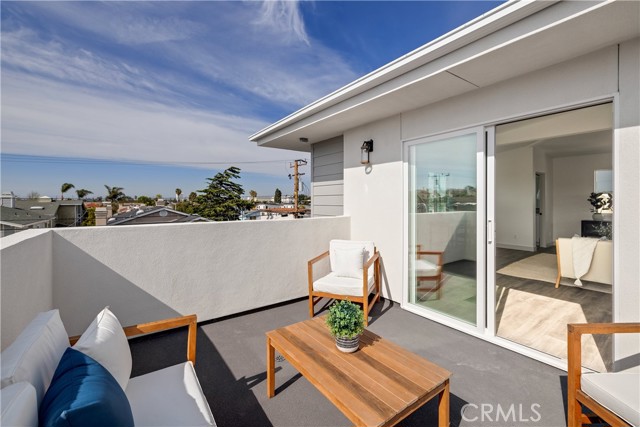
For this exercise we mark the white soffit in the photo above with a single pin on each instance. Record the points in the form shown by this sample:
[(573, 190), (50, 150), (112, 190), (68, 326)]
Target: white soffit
[(497, 52)]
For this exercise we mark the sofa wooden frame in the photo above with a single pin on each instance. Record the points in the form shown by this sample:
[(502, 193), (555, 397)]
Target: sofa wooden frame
[(315, 297), (164, 325), (437, 278), (575, 395)]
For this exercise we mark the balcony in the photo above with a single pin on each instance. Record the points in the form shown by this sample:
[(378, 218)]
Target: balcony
[(244, 279)]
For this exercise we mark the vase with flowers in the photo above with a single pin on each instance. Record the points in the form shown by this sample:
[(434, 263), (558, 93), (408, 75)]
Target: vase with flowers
[(600, 202)]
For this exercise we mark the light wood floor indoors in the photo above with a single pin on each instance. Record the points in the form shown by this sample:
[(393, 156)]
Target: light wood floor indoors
[(529, 312)]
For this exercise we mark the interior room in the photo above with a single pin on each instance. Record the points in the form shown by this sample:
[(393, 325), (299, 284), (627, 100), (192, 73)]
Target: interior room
[(546, 170)]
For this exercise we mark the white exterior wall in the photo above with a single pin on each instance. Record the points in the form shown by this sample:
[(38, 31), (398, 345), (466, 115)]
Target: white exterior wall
[(373, 195), (626, 160), (25, 280), (150, 272), (374, 200), (212, 269)]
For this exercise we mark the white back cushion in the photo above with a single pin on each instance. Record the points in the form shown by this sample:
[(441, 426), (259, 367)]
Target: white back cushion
[(105, 341), (19, 405), (368, 248), (349, 262), (34, 356)]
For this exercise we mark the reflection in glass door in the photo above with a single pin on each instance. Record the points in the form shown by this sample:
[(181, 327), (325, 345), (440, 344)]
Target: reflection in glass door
[(443, 225)]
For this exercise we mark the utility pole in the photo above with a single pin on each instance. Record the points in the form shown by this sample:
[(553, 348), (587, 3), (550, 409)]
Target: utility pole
[(296, 176)]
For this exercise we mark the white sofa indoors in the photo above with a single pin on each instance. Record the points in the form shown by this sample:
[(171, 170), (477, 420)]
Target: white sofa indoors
[(46, 382)]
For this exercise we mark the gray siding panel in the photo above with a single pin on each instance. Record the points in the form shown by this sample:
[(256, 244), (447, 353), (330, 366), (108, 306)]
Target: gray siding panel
[(327, 178)]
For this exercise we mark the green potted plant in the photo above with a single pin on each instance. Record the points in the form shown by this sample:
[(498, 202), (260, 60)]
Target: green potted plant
[(346, 323)]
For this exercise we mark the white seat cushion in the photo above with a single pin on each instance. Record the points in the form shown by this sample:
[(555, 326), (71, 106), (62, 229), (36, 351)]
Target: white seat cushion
[(19, 405), (619, 392), (334, 284), (169, 397), (425, 268), (34, 356)]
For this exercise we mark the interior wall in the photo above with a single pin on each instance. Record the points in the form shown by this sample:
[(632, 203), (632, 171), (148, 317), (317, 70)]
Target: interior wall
[(573, 182), (542, 163), (515, 199)]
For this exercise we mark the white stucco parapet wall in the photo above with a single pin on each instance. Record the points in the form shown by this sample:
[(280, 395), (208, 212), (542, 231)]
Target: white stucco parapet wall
[(146, 273)]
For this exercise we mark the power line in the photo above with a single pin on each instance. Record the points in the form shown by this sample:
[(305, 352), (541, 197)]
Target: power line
[(14, 158)]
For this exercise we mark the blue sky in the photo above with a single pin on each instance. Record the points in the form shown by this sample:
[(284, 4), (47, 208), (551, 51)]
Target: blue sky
[(153, 96)]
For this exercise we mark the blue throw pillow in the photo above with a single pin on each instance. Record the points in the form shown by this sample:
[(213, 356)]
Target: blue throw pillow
[(84, 393)]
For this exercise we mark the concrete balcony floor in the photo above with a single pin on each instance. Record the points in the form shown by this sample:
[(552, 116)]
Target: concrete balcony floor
[(499, 387)]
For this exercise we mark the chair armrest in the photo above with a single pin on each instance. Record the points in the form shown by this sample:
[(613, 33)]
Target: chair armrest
[(318, 258), (163, 325), (371, 260)]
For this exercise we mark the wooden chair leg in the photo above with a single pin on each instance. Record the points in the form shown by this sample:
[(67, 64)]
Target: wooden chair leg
[(365, 309), (311, 305)]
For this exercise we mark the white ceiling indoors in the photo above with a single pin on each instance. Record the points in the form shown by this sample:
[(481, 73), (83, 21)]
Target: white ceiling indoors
[(584, 131)]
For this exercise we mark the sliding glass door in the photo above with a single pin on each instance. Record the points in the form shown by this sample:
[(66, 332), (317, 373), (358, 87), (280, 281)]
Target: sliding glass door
[(445, 226)]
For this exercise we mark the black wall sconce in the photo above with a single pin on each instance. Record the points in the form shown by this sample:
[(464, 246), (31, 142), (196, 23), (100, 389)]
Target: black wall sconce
[(366, 148)]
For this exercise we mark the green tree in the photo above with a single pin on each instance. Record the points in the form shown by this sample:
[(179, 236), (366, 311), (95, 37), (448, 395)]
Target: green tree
[(222, 199), (82, 193), (148, 201), (64, 188), (277, 197), (254, 195), (303, 199), (178, 193), (89, 218), (193, 196)]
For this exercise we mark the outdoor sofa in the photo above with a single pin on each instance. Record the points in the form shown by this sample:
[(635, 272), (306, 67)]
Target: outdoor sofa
[(46, 382)]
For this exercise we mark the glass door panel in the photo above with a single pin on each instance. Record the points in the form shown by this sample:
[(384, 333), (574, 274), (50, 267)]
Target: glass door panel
[(443, 206)]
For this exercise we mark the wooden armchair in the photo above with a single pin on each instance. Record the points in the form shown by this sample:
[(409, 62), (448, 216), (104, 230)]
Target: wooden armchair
[(614, 397), (355, 274), (427, 270)]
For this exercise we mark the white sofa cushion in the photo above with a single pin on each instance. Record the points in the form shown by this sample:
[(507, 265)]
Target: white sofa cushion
[(619, 392), (334, 284), (349, 262), (425, 268), (34, 356), (19, 405), (105, 341), (169, 397), (367, 247)]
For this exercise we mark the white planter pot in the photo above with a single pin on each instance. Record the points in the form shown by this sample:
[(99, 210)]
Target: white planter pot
[(348, 345)]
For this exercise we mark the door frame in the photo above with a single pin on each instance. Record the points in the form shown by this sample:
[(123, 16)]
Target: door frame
[(479, 328)]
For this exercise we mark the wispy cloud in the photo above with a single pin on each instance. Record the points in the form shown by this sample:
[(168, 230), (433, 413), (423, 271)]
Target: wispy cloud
[(49, 118), (284, 18)]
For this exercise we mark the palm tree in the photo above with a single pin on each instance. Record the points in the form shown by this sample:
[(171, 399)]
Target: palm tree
[(193, 196), (114, 193), (178, 193), (64, 188), (82, 193), (253, 195)]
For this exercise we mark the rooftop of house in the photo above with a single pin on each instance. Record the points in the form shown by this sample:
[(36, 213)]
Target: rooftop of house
[(231, 367), (24, 217), (155, 214)]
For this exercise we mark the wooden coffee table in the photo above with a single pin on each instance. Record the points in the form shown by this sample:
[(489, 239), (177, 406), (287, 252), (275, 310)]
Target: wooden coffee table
[(378, 385)]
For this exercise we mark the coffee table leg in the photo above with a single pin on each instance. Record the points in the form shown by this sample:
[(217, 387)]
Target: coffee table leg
[(271, 366), (443, 406)]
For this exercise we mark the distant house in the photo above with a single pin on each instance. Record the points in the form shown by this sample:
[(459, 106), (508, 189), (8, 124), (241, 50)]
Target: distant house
[(44, 212), (154, 215), (267, 212)]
